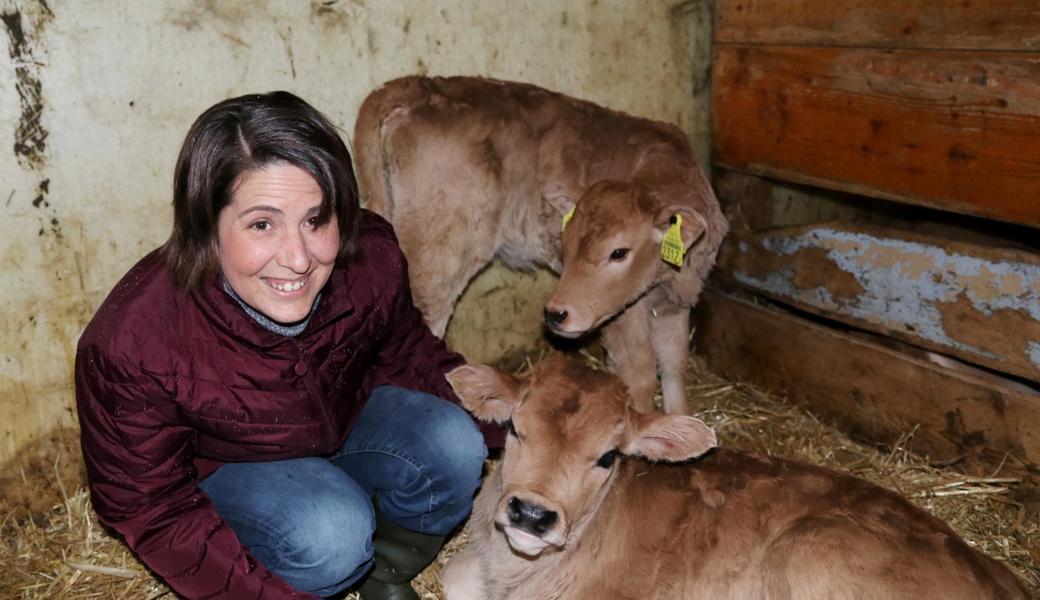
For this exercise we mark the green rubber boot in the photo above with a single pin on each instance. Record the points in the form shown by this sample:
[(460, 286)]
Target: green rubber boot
[(401, 554)]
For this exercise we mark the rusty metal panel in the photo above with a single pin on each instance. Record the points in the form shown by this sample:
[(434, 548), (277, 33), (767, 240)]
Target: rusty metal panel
[(978, 303)]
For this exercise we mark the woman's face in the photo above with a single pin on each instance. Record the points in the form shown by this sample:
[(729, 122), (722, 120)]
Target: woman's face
[(270, 250)]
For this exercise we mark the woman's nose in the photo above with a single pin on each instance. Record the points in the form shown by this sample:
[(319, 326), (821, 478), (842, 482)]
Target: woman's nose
[(294, 254)]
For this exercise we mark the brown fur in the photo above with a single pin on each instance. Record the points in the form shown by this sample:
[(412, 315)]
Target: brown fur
[(470, 169), (725, 525)]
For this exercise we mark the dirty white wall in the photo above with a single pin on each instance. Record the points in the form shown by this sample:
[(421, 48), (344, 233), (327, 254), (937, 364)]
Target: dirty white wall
[(96, 95)]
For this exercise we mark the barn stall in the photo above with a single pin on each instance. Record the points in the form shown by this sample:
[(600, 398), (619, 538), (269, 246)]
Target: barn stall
[(876, 163)]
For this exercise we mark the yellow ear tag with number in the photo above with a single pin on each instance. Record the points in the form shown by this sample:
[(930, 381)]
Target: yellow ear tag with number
[(672, 247), (566, 218)]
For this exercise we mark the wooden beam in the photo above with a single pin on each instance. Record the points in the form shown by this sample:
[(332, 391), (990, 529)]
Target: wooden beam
[(989, 25), (755, 203), (977, 303), (874, 392), (955, 131)]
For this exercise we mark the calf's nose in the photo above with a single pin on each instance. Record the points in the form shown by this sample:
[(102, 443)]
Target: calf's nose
[(555, 318), (530, 517)]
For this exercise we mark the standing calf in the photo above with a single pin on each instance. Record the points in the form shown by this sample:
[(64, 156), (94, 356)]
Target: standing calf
[(467, 169), (589, 501)]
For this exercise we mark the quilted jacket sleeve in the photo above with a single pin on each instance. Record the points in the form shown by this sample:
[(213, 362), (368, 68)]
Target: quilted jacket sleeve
[(411, 356), (139, 464)]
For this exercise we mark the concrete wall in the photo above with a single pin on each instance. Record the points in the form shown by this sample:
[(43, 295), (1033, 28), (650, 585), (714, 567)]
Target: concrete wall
[(95, 97)]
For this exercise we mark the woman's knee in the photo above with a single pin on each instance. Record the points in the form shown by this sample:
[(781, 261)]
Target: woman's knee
[(419, 455), (440, 437), (304, 519), (329, 544), (457, 446), (454, 456)]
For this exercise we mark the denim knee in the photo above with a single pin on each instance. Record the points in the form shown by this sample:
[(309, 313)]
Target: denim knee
[(457, 449), (304, 519), (327, 546), (420, 456), (451, 453)]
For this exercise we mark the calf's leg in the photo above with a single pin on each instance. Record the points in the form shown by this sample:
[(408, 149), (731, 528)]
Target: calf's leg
[(448, 232), (670, 336), (437, 283), (461, 577), (630, 354)]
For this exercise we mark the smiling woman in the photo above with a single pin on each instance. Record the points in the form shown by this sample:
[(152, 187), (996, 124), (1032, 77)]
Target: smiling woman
[(264, 412), (274, 250)]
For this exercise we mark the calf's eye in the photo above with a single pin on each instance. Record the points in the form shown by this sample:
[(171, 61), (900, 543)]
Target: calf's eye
[(619, 254), (607, 459)]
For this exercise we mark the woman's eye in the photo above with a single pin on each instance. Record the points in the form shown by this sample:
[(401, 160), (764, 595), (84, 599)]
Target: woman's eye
[(619, 254), (607, 459), (261, 226)]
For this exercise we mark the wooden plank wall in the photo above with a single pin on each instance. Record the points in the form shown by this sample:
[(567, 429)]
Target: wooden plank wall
[(1012, 25), (873, 391), (919, 102)]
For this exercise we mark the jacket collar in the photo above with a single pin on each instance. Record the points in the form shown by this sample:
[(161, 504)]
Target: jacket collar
[(227, 316)]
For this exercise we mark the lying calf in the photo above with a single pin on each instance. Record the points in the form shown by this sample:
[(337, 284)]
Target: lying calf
[(590, 501), (469, 169)]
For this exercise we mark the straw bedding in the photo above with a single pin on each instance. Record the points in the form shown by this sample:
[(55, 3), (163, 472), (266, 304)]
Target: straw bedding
[(51, 545)]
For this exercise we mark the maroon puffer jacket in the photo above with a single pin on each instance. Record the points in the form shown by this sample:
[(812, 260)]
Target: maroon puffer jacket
[(170, 384)]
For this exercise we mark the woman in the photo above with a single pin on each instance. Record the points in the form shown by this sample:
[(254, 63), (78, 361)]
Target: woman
[(260, 401)]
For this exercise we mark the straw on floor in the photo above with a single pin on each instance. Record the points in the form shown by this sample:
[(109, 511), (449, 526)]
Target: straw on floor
[(52, 546)]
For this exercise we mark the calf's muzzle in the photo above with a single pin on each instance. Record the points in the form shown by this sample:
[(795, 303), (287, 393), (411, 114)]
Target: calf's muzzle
[(554, 318), (530, 517)]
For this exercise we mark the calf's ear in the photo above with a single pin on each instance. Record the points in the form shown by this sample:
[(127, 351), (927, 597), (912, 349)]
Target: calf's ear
[(560, 200), (668, 438), (693, 223), (486, 392)]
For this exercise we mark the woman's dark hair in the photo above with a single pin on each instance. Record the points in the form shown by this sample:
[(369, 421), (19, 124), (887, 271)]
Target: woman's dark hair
[(245, 134)]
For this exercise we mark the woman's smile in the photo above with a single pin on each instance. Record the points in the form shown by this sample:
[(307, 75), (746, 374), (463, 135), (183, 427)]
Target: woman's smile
[(285, 286)]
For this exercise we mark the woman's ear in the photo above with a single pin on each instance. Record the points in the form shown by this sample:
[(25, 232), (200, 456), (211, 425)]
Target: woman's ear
[(486, 392)]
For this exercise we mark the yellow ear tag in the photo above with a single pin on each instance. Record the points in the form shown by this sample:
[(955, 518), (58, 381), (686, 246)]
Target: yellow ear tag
[(672, 248), (566, 218)]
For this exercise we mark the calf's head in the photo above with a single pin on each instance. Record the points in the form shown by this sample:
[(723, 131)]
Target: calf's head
[(611, 252), (569, 426)]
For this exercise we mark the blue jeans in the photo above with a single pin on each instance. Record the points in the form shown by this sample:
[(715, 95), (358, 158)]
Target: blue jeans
[(310, 520)]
